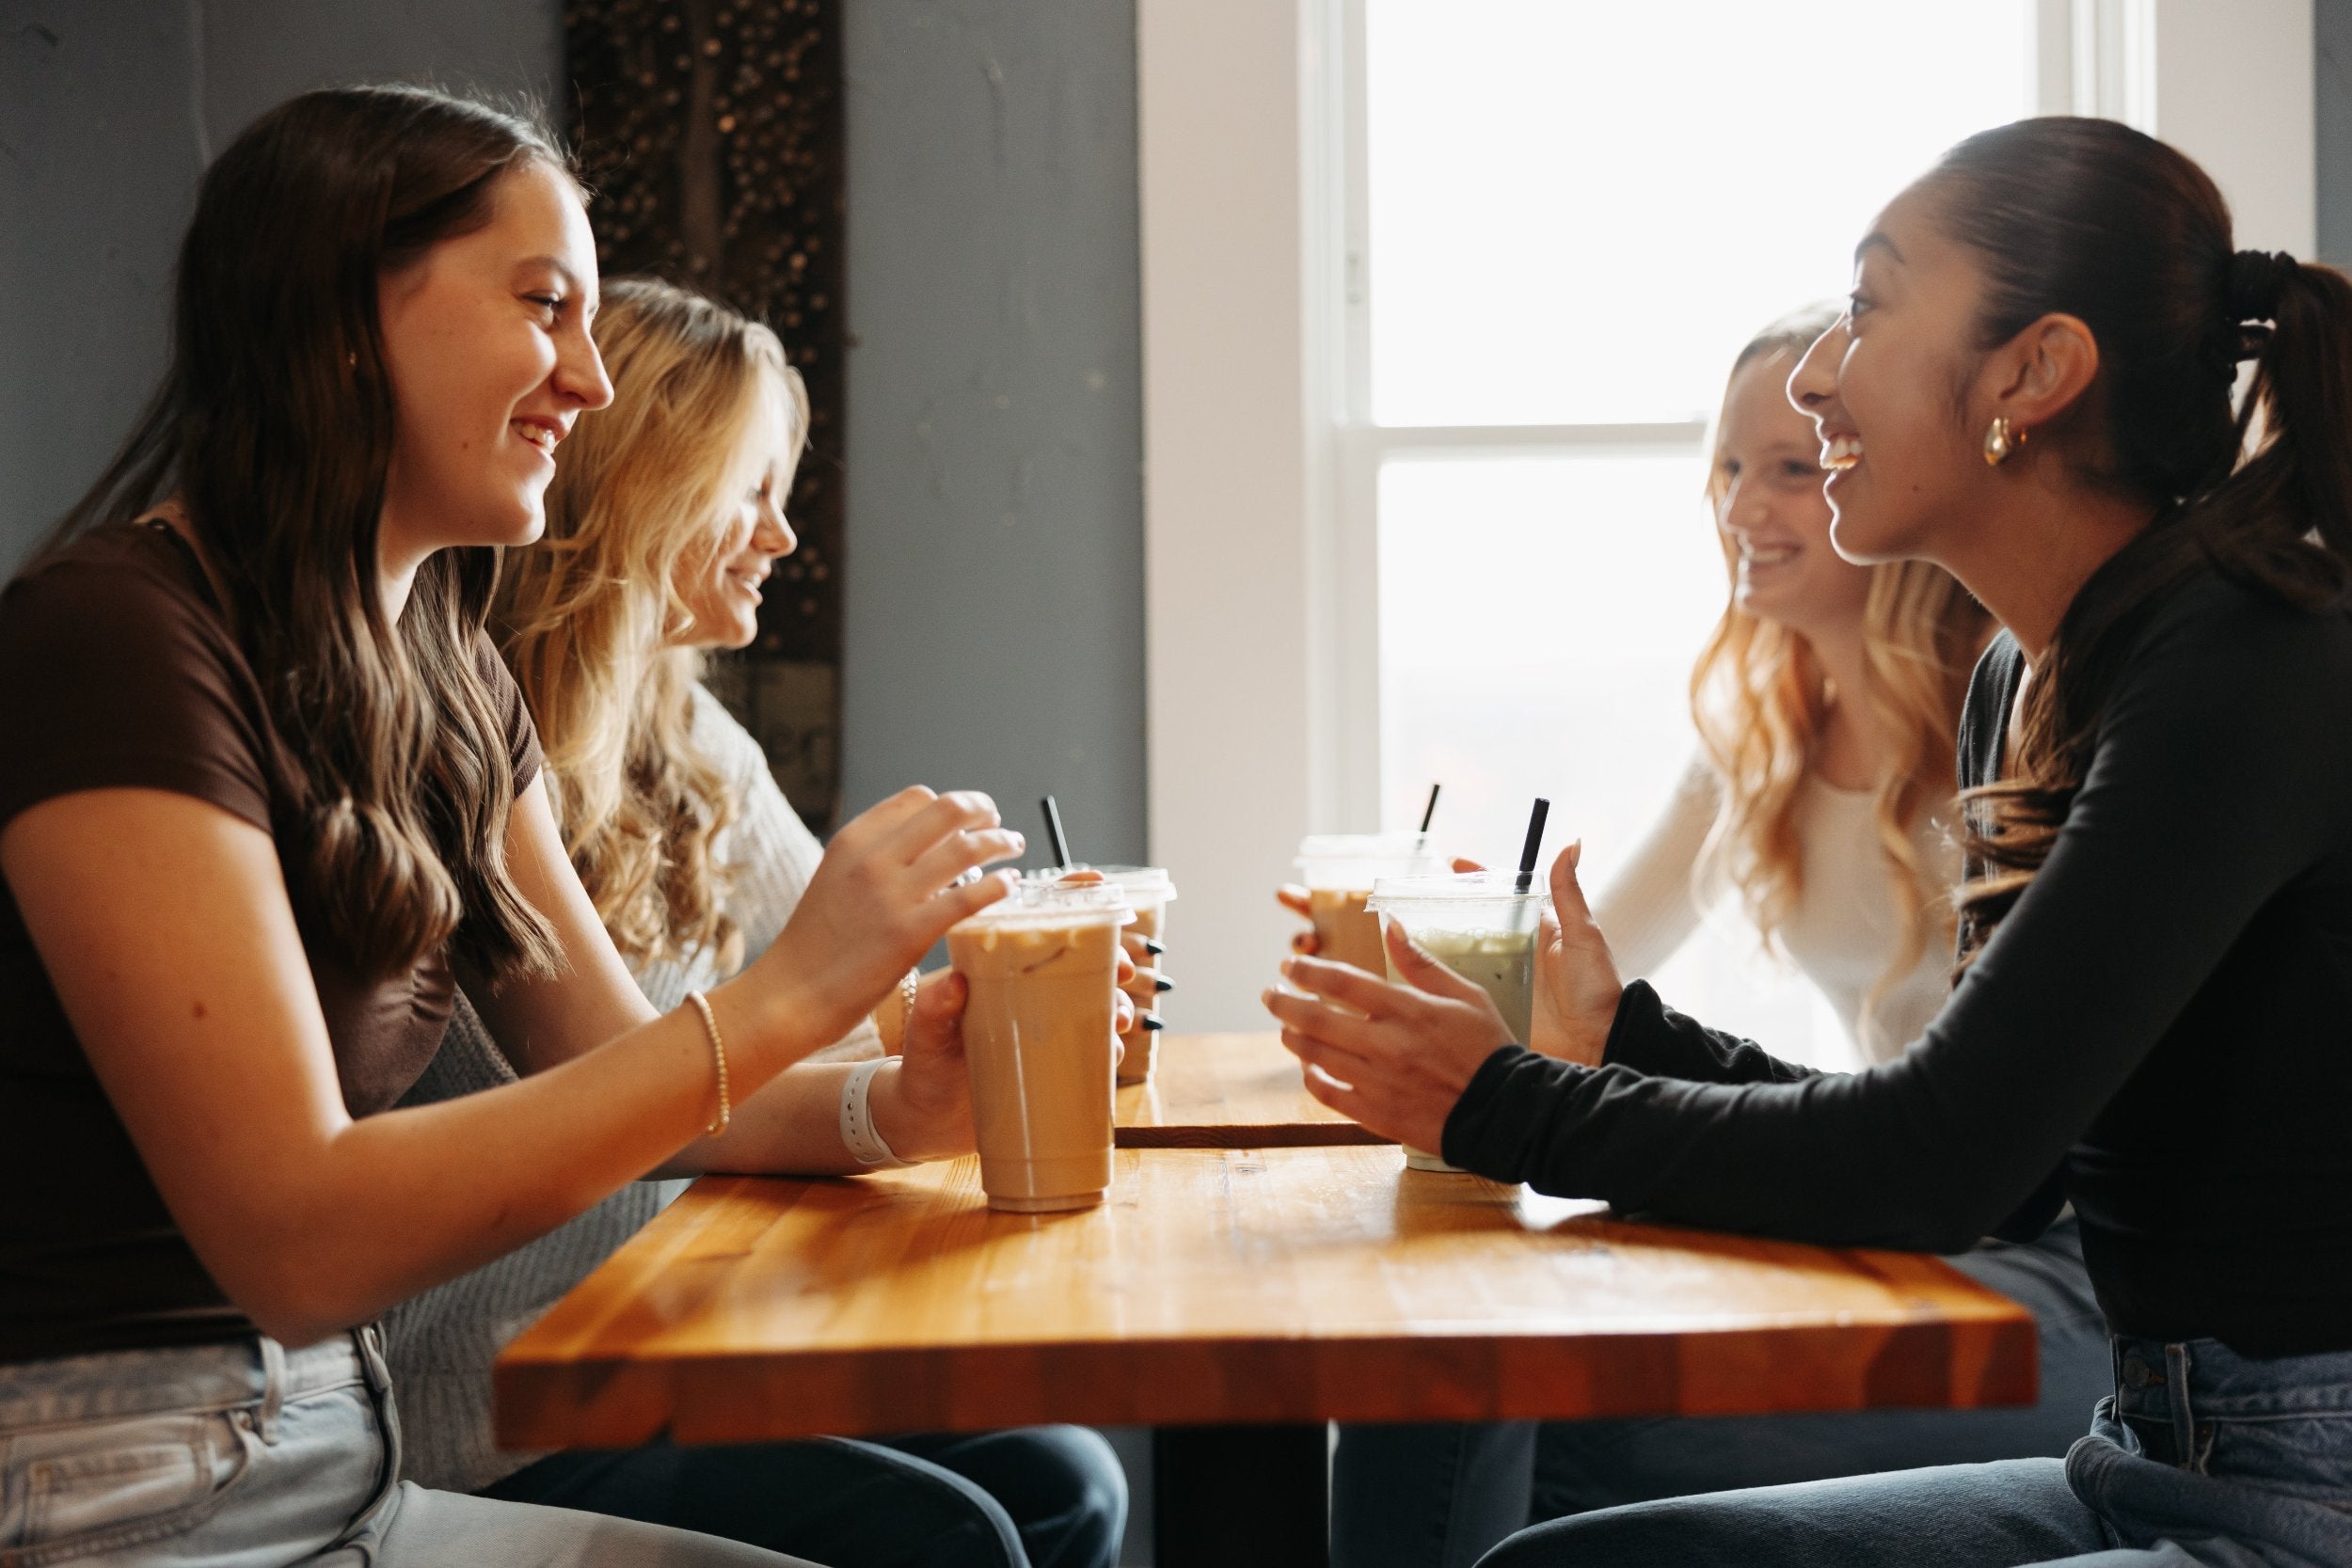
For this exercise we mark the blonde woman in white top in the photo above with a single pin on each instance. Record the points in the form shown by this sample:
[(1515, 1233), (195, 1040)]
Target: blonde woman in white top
[(665, 516), (1827, 703)]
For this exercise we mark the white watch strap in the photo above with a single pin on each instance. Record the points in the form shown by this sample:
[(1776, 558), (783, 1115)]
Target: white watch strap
[(859, 1135)]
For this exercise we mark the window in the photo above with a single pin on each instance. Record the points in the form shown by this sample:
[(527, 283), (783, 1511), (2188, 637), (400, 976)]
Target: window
[(1567, 219), (1466, 271)]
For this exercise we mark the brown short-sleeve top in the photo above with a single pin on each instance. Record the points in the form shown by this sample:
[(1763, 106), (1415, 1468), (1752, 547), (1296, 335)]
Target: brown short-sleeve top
[(118, 669)]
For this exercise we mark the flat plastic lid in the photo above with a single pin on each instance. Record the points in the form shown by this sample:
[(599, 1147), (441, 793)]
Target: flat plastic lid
[(1486, 887), (1050, 899), (1142, 881)]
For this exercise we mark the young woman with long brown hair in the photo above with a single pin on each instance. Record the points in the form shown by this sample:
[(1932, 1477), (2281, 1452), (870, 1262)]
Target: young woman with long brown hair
[(2033, 387), (665, 516), (268, 797), (1826, 702)]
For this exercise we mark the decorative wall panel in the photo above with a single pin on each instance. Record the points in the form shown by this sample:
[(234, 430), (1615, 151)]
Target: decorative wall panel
[(712, 132)]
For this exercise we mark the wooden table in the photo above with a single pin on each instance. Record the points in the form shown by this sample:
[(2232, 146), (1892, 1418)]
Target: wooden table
[(1228, 1091), (1276, 1285)]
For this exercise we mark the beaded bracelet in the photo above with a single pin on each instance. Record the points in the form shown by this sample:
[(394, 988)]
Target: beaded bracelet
[(719, 1057)]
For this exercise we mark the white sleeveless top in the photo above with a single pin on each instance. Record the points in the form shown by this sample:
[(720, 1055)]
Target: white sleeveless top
[(1841, 934)]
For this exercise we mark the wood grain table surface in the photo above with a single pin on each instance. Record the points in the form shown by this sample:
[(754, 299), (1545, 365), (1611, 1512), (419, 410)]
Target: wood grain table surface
[(1228, 1091), (1298, 1283)]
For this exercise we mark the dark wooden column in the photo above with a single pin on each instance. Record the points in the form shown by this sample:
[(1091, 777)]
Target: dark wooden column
[(711, 132)]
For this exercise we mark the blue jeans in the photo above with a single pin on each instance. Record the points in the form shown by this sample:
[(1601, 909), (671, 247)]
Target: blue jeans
[(1438, 1496), (1044, 1496), (243, 1454), (2202, 1458)]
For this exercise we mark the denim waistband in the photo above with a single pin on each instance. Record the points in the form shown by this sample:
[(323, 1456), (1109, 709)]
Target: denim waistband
[(2171, 1394), (251, 1371)]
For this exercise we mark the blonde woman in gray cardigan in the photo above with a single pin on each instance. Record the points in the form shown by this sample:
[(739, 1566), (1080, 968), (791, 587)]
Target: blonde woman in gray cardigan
[(665, 516)]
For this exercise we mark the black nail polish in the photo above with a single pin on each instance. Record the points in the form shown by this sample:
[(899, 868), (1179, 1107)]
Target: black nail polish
[(1152, 1021), (1162, 982), (1154, 946)]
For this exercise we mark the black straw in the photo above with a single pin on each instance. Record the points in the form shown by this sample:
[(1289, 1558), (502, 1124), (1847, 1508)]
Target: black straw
[(1429, 811), (1535, 843), (1052, 829)]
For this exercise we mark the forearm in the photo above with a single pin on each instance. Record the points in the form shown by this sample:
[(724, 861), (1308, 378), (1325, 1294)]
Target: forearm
[(1802, 1161), (1651, 1038), (792, 1126), (329, 1232)]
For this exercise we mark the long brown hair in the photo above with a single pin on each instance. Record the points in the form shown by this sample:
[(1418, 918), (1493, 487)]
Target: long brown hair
[(2092, 219), (588, 617), (274, 427), (1760, 698)]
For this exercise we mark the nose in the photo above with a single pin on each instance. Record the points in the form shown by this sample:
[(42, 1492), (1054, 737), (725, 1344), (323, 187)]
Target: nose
[(580, 372), (1743, 508), (1813, 385), (773, 534)]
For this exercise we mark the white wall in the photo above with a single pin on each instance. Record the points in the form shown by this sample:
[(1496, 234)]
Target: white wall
[(2233, 90), (1229, 497)]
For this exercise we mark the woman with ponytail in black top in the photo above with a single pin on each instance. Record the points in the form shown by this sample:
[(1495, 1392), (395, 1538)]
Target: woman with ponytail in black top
[(2032, 388)]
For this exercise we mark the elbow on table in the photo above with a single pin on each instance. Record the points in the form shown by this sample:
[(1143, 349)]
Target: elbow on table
[(1953, 1219)]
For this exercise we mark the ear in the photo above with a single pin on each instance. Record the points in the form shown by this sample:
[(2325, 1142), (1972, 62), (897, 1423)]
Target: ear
[(2043, 371)]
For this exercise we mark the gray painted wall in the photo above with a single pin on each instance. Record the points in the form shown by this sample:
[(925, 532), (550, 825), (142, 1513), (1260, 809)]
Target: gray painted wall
[(996, 569), (2331, 21), (108, 111)]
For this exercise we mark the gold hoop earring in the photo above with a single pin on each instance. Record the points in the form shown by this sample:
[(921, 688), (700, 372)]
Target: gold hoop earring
[(2000, 439)]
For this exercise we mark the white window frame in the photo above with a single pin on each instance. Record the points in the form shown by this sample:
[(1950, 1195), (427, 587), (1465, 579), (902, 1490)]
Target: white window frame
[(1261, 455)]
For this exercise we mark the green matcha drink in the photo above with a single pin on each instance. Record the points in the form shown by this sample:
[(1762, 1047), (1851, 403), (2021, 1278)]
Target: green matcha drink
[(1480, 927)]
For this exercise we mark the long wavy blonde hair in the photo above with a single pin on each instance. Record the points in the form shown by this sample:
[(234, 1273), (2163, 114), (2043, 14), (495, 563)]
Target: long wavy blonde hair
[(1761, 699), (590, 619)]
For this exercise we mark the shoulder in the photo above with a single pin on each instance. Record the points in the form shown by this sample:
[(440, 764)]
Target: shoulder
[(124, 585), (2240, 656), (764, 813), (523, 754), (721, 737), (116, 671)]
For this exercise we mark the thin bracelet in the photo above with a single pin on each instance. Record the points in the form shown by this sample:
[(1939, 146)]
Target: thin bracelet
[(719, 1057), (859, 1135)]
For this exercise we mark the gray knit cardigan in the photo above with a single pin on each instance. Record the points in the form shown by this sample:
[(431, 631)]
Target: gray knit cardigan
[(440, 1344)]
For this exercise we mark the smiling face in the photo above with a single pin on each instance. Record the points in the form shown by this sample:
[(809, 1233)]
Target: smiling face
[(720, 584), (1892, 391), (1769, 504), (485, 342)]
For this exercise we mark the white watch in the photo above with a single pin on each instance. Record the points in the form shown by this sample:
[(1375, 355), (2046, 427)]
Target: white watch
[(859, 1135)]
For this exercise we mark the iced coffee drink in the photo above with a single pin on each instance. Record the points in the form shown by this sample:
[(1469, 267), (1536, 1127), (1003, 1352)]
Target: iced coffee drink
[(1041, 966), (1149, 891), (1478, 924), (1339, 870)]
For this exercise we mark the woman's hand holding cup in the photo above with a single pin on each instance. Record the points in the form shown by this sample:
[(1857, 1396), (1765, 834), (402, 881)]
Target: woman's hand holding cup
[(879, 898), (1392, 1057), (1576, 987)]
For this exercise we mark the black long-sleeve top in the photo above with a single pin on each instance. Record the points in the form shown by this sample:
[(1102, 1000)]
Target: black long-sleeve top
[(2160, 1030)]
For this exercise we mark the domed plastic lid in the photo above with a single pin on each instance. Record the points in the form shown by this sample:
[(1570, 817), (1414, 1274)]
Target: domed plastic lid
[(1079, 896), (1144, 883)]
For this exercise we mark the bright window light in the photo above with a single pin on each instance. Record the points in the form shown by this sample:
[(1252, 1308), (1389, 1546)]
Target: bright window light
[(1579, 211)]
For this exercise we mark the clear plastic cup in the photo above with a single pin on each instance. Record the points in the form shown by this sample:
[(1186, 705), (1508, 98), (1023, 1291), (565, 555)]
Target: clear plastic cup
[(1042, 965), (1478, 924), (1150, 890), (1339, 870)]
